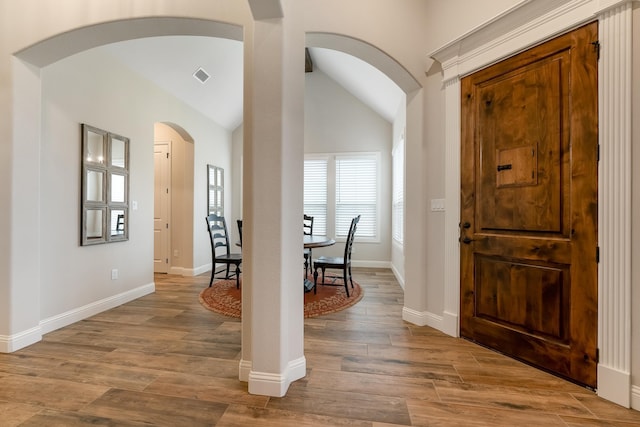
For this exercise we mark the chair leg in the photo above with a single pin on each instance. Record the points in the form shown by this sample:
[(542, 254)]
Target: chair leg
[(315, 281), (213, 272), (350, 276), (227, 275), (237, 276), (344, 278)]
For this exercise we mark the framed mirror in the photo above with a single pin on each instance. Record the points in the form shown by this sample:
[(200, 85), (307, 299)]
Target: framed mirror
[(105, 187)]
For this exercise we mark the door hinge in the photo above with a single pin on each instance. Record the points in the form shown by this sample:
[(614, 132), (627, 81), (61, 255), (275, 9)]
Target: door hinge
[(597, 254), (598, 152), (167, 155), (167, 191), (597, 355), (596, 47), (166, 260), (167, 225)]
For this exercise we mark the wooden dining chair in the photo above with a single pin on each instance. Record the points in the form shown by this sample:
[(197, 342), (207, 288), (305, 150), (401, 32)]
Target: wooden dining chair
[(220, 249), (239, 221), (340, 263), (307, 228)]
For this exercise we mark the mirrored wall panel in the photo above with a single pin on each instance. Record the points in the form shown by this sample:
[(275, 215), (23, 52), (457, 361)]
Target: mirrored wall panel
[(105, 187)]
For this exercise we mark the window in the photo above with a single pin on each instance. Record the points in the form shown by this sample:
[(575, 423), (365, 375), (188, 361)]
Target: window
[(357, 194), (337, 188), (215, 190), (315, 193), (397, 214)]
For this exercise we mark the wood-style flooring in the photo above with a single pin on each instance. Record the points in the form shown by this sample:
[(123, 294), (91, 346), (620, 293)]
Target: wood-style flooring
[(165, 360)]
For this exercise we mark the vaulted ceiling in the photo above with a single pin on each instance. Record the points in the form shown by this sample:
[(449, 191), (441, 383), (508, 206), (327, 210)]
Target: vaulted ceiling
[(171, 62)]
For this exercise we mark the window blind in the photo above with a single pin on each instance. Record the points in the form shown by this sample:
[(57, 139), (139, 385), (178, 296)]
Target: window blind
[(357, 194), (315, 193)]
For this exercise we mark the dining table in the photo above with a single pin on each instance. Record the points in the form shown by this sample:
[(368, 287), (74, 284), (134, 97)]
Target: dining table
[(315, 241)]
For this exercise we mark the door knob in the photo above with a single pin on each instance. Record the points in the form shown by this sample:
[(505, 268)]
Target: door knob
[(466, 240)]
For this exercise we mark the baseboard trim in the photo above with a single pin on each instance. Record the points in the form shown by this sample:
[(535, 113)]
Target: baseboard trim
[(185, 272), (199, 270), (635, 397), (422, 318), (614, 385), (56, 322), (244, 370), (398, 276), (370, 264), (11, 343), (276, 385)]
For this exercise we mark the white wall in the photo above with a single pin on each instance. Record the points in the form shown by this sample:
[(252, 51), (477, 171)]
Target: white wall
[(92, 88), (335, 122)]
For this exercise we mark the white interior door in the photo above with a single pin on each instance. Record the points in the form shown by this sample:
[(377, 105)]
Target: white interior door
[(161, 211)]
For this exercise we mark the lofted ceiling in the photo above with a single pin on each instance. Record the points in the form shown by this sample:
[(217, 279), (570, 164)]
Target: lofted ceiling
[(170, 62)]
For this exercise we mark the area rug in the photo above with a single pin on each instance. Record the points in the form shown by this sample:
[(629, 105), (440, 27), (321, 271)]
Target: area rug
[(223, 297)]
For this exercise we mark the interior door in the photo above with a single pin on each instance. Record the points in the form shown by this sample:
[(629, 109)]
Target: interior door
[(529, 206), (162, 203)]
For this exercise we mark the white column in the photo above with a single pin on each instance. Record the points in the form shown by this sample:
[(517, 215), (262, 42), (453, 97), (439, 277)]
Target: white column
[(273, 317), (614, 205), (451, 312)]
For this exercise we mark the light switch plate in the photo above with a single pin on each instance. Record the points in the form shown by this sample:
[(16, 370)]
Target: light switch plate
[(437, 205)]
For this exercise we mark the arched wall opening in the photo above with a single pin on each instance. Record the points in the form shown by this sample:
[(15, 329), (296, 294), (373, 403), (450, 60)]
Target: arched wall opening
[(61, 289), (408, 123), (173, 199)]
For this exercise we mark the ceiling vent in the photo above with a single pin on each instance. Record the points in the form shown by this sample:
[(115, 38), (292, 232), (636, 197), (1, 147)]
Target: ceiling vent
[(201, 75)]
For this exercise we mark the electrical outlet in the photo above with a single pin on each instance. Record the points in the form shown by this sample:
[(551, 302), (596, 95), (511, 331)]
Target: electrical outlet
[(114, 274)]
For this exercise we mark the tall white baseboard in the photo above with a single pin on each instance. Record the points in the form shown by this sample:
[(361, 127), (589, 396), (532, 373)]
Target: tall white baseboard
[(269, 384), (81, 313), (422, 318), (23, 339), (635, 397), (244, 370), (11, 343), (614, 385), (370, 264)]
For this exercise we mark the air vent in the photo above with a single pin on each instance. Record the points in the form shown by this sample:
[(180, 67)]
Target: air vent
[(201, 75)]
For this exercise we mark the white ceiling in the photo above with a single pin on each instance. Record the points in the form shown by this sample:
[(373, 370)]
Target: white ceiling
[(171, 61)]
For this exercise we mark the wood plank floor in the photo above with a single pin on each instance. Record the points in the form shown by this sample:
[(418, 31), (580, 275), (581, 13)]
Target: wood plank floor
[(165, 360)]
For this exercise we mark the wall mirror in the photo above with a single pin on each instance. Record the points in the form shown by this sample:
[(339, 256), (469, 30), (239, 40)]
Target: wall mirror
[(105, 187)]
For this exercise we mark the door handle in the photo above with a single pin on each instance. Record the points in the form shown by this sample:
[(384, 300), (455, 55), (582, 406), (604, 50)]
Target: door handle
[(466, 240)]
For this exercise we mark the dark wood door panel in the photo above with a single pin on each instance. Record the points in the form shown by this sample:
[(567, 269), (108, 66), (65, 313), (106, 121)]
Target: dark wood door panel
[(521, 139), (523, 296), (529, 206)]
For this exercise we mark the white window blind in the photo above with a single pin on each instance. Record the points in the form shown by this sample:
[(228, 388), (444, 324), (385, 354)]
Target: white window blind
[(315, 193), (397, 219), (357, 194)]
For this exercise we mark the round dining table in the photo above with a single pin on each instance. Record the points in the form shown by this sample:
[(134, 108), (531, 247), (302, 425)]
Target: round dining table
[(315, 241)]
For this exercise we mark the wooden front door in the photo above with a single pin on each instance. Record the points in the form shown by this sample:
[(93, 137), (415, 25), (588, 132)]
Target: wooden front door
[(528, 227)]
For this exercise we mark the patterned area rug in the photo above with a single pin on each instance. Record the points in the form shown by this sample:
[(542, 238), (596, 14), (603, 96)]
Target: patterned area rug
[(223, 297)]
